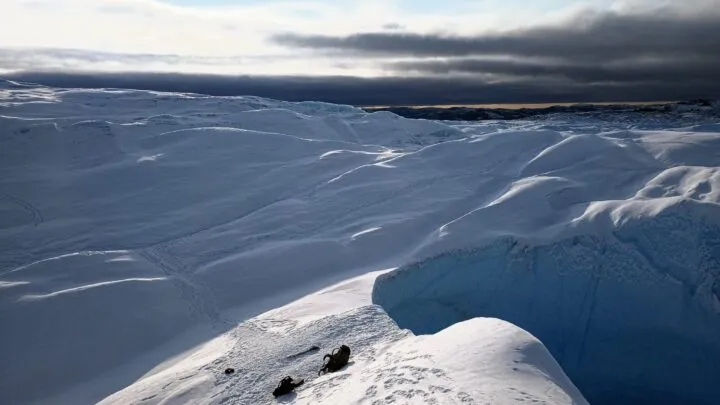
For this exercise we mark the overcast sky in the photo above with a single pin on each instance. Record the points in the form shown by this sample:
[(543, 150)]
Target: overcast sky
[(372, 51)]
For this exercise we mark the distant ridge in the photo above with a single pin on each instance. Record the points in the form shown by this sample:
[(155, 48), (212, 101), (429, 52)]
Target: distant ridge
[(702, 107)]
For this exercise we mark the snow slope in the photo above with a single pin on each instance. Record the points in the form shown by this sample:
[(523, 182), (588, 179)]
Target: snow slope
[(474, 362), (145, 236)]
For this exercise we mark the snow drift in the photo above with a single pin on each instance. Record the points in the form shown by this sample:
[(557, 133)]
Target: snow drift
[(145, 236)]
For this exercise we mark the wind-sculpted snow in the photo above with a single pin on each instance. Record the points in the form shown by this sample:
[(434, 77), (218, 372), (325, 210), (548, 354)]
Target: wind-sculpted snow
[(624, 293), (143, 234)]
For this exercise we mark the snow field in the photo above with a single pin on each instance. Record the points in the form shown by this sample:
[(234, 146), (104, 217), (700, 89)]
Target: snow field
[(149, 240)]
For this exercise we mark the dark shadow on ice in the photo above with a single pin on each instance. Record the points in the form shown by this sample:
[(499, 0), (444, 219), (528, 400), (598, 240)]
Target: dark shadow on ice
[(287, 398), (347, 366)]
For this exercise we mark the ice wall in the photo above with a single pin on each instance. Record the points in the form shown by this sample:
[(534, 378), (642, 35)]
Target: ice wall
[(632, 318)]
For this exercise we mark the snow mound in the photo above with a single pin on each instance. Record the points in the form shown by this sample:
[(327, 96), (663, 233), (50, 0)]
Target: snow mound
[(592, 151), (696, 183)]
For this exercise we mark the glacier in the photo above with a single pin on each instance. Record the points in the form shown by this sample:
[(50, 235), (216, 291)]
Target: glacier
[(151, 239)]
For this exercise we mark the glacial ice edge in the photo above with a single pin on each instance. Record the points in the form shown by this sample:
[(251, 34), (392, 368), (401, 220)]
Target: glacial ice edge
[(632, 317)]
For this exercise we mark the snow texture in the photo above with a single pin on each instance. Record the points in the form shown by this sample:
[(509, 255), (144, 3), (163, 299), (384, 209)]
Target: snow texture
[(478, 361), (149, 240)]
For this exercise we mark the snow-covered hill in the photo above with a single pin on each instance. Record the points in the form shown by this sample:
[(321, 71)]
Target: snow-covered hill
[(149, 240)]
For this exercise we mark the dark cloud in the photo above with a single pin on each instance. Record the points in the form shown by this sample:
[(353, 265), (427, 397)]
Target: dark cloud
[(697, 68), (383, 90), (600, 36), (664, 55), (597, 57)]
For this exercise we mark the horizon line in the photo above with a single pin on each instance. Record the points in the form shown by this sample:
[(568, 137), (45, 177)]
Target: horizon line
[(519, 106)]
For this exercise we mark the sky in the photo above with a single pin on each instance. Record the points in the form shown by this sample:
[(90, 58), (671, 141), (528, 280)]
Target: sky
[(372, 51)]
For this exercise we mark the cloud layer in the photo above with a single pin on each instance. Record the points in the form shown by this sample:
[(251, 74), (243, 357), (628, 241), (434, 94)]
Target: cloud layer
[(375, 52), (665, 49), (608, 36)]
